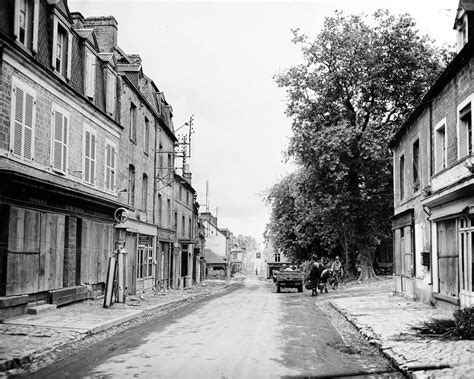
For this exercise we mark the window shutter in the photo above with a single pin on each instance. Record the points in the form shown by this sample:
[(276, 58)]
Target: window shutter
[(112, 168), (35, 26), (57, 141), (64, 140), (92, 73), (108, 162), (69, 56), (92, 160), (55, 42), (18, 123), (87, 156), (16, 22), (28, 131)]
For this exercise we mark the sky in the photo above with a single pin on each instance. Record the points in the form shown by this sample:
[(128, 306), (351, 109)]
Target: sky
[(217, 60)]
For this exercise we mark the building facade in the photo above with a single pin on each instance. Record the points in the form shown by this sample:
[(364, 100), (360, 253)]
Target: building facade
[(58, 142), (83, 133), (434, 184)]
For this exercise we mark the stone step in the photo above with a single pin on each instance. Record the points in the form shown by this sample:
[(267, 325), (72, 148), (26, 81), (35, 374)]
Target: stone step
[(34, 310)]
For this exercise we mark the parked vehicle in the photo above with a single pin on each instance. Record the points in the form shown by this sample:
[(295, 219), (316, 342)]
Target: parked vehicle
[(289, 279)]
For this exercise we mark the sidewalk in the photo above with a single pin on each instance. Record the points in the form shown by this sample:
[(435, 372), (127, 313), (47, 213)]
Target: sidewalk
[(386, 319), (28, 337)]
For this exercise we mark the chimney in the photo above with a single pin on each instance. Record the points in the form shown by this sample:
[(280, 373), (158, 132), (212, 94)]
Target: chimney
[(187, 174), (135, 58), (77, 20), (105, 29)]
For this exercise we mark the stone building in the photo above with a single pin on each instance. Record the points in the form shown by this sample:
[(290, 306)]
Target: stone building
[(83, 133), (59, 137), (434, 184)]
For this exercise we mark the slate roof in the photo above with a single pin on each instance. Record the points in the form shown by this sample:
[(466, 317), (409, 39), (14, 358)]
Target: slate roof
[(213, 258)]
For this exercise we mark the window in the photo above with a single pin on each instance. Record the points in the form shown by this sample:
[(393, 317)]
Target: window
[(145, 261), (146, 140), (440, 146), (111, 93), (160, 153), (23, 113), (402, 177), (89, 77), (180, 193), (62, 41), (190, 229), (183, 226), (133, 122), (170, 163), (60, 129), (461, 28), (90, 142), (187, 198), (415, 163), (131, 186), (277, 257), (144, 192), (26, 23), (110, 151), (234, 256), (465, 131)]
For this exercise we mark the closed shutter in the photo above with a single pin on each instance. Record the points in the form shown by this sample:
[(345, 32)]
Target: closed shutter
[(109, 167), (23, 119), (90, 74), (69, 56), (89, 157), (60, 134)]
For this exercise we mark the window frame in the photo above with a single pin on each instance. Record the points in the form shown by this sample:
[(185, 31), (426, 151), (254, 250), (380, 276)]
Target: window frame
[(57, 23), (65, 145), (27, 90), (146, 139), (30, 43), (93, 132), (131, 185), (133, 122), (469, 101), (144, 204), (440, 166)]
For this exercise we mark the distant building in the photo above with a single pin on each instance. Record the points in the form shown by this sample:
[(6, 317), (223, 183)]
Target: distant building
[(433, 162)]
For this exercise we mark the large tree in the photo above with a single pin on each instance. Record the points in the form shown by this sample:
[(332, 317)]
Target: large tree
[(360, 78)]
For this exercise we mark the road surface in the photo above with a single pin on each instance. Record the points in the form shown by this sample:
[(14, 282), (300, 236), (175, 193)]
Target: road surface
[(248, 332)]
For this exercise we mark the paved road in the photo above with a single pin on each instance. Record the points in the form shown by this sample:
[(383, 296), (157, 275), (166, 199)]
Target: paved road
[(249, 332)]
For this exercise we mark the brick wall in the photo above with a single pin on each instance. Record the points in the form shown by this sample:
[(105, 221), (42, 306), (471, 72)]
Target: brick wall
[(106, 31)]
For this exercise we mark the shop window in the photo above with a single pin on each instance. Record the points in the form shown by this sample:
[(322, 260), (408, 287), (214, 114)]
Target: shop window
[(23, 113), (447, 258)]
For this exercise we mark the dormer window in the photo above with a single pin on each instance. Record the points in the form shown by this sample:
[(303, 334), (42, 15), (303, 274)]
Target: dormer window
[(462, 31), (26, 23), (89, 76), (62, 46)]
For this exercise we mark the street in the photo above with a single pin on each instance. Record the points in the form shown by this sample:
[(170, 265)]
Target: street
[(249, 331)]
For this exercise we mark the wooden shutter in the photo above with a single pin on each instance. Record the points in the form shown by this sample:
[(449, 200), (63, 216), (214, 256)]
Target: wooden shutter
[(18, 108), (28, 126), (89, 157), (69, 56), (60, 134), (16, 21), (35, 26), (55, 42)]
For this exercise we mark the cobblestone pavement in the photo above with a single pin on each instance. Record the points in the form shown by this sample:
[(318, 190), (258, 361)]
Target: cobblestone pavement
[(386, 320), (30, 337)]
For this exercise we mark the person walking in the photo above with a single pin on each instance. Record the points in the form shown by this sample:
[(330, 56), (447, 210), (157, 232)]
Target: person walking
[(314, 277)]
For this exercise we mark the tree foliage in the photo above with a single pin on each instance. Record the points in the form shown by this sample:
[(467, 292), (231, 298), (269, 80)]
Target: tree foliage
[(360, 78)]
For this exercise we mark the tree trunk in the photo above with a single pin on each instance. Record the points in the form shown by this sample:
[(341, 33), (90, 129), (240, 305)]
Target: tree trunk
[(366, 268)]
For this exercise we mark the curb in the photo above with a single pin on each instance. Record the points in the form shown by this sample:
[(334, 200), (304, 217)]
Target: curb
[(385, 350), (17, 362)]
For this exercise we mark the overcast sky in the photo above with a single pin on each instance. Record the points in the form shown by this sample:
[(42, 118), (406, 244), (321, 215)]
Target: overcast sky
[(217, 60)]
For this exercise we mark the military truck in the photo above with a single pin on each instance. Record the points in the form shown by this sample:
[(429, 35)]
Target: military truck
[(288, 278)]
